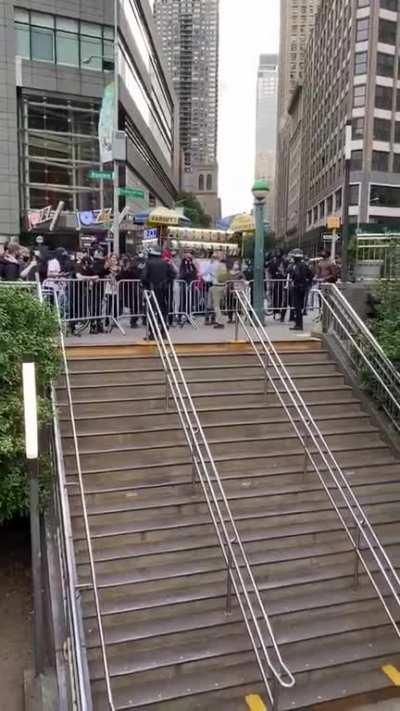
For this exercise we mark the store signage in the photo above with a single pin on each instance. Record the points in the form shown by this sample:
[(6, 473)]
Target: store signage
[(131, 192), (150, 235), (38, 218), (91, 218), (101, 175)]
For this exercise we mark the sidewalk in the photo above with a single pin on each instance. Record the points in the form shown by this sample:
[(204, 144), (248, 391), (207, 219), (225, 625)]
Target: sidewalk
[(188, 334)]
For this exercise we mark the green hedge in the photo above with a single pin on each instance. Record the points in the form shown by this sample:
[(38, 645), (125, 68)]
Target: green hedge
[(27, 327), (386, 325)]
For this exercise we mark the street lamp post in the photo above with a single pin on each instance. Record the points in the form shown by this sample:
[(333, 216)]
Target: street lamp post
[(115, 129), (346, 204), (32, 456), (260, 191)]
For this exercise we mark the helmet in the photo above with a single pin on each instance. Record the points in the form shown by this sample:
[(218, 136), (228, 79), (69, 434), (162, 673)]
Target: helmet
[(154, 252), (297, 254)]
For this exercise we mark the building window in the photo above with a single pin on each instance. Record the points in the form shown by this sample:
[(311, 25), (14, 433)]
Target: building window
[(380, 161), (201, 183), (392, 5), (385, 65), (209, 181), (363, 3), (384, 195), (359, 95), (354, 194), (358, 128), (62, 40), (329, 205), (338, 199), (356, 160), (361, 63), (397, 132), (321, 210), (396, 163), (384, 97), (362, 30), (309, 218), (316, 213), (387, 31), (382, 129)]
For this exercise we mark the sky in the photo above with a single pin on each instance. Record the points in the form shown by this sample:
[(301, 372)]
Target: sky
[(248, 28)]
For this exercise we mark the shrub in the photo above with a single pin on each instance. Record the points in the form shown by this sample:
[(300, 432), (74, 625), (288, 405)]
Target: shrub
[(26, 327), (386, 325)]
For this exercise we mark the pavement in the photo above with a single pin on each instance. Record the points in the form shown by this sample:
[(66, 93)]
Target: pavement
[(194, 334)]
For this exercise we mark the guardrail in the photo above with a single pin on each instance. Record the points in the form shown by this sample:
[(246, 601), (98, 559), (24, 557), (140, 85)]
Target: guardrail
[(101, 304), (367, 359), (363, 537), (81, 487), (240, 578)]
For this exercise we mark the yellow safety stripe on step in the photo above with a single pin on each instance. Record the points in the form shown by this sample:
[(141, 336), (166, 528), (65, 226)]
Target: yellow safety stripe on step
[(392, 673), (255, 703)]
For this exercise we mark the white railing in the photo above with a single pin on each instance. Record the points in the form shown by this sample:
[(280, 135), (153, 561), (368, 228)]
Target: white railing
[(368, 360), (359, 531), (240, 578)]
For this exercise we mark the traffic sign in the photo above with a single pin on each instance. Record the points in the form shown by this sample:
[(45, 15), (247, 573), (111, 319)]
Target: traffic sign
[(333, 222), (131, 192), (101, 175)]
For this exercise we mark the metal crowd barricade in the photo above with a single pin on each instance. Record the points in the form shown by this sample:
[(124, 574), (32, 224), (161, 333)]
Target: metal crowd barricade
[(85, 301), (200, 297), (131, 301)]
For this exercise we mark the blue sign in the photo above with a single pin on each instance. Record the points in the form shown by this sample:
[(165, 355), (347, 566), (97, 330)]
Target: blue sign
[(150, 235)]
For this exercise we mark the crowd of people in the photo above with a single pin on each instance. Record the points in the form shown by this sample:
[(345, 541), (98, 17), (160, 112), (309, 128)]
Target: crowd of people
[(98, 287)]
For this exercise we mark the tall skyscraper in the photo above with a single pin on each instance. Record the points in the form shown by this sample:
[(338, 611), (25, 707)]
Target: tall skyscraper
[(266, 124), (297, 21), (189, 35)]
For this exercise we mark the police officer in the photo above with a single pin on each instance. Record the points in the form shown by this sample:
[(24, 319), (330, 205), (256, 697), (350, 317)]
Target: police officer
[(158, 276), (300, 276)]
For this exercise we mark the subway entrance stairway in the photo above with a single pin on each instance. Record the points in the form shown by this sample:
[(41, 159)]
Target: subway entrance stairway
[(160, 574)]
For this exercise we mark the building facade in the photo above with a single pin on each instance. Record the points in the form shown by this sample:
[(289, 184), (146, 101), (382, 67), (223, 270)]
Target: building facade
[(297, 21), (266, 124), (57, 63), (189, 35), (353, 67)]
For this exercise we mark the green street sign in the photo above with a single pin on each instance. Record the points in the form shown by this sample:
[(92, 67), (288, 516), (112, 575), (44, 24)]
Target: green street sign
[(101, 175), (131, 192)]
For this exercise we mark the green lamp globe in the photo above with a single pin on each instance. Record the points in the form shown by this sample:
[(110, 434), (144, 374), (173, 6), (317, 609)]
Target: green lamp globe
[(260, 189)]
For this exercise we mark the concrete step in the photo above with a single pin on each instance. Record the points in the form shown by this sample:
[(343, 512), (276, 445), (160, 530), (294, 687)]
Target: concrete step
[(165, 527), (173, 432), (117, 422), (173, 470), (213, 371), (191, 499), (242, 358), (213, 398), (361, 437), (190, 647), (103, 391)]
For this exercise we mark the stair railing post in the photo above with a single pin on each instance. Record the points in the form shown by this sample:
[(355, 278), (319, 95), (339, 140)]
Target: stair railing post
[(237, 320), (356, 578), (275, 694), (306, 455), (166, 391), (228, 609)]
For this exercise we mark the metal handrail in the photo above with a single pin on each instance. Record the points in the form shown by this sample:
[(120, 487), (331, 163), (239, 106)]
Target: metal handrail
[(77, 631), (352, 326), (247, 318), (247, 592), (85, 518)]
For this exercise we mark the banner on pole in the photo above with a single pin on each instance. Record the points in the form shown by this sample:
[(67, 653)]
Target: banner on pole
[(106, 124)]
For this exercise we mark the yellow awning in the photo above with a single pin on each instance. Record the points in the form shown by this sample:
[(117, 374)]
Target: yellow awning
[(243, 223), (165, 216)]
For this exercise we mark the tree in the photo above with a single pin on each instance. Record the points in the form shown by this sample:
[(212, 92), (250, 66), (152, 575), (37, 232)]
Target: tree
[(193, 210), (26, 327)]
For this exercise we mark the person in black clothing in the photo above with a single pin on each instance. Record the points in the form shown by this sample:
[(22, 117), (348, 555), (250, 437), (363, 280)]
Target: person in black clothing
[(300, 276), (187, 275), (129, 291), (10, 266), (157, 276)]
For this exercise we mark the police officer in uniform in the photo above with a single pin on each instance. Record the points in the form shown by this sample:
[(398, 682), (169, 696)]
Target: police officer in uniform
[(300, 276), (157, 276)]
